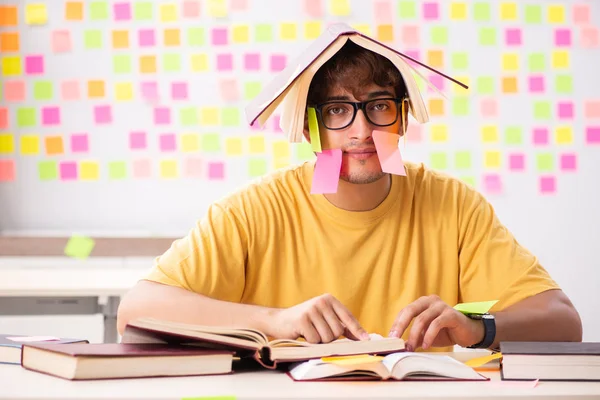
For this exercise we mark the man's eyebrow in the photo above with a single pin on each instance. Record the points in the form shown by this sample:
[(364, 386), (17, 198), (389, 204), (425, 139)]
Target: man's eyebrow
[(371, 95)]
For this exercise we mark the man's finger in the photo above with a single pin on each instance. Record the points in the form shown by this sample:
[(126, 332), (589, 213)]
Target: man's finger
[(322, 327), (407, 314), (336, 326), (308, 331), (352, 325), (420, 325), (434, 329)]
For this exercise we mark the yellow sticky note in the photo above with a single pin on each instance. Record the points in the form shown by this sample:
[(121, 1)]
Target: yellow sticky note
[(439, 133), (510, 62), (7, 143), (489, 134), (168, 12), (287, 31), (199, 62), (233, 146), (36, 14), (281, 149), (30, 145), (339, 7), (480, 361), (556, 14), (217, 8), (312, 30), (240, 34), (477, 307), (508, 11), (352, 360), (560, 59), (123, 91), (457, 89), (363, 28), (256, 144), (190, 142), (209, 116), (79, 246), (458, 11), (313, 128), (89, 171), (11, 66), (492, 159), (564, 135), (168, 169)]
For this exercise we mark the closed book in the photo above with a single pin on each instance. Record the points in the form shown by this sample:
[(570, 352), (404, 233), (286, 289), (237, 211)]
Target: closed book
[(11, 345)]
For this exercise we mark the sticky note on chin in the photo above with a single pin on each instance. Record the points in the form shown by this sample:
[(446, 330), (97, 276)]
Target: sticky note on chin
[(327, 172), (388, 152)]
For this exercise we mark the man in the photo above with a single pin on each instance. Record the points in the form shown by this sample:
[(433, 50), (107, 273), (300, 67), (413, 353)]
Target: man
[(387, 254)]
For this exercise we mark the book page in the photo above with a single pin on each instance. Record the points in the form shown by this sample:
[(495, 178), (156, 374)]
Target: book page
[(418, 365)]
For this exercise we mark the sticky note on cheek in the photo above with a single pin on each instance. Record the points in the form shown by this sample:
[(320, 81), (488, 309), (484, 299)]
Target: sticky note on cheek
[(327, 172), (390, 159), (313, 129)]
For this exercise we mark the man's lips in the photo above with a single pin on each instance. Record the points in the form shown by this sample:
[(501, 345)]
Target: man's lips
[(361, 154)]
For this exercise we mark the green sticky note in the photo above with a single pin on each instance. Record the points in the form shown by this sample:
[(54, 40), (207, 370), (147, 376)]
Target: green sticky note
[(252, 89), (122, 64), (460, 106), (171, 62), (485, 85), (313, 129), (513, 135), (79, 247), (536, 62), (487, 36), (533, 13), (257, 167), (26, 117), (564, 84), (439, 35), (98, 10), (439, 160), (263, 33), (47, 170), (188, 116), (42, 90), (142, 11), (117, 170), (462, 159), (230, 116), (210, 142), (92, 39), (545, 162), (542, 110), (407, 9), (460, 61), (479, 307), (304, 151), (481, 11), (195, 36), (470, 180)]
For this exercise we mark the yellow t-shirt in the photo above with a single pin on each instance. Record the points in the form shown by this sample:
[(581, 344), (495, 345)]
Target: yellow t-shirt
[(274, 244)]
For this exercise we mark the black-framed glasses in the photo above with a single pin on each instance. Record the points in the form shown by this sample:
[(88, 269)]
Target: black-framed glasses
[(337, 115)]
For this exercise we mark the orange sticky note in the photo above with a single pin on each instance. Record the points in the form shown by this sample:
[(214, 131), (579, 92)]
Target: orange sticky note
[(327, 172), (388, 152), (120, 39), (95, 89), (8, 16), (9, 42), (479, 361), (148, 64), (352, 360), (436, 107), (73, 10), (172, 37), (509, 84), (435, 58), (54, 145)]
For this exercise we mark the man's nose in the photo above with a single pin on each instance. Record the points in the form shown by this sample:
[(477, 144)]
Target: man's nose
[(360, 129)]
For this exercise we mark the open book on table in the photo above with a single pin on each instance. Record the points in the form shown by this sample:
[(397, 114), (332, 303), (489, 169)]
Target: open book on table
[(251, 342), (396, 366)]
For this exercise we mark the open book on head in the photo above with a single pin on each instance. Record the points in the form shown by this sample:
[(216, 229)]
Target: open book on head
[(396, 366), (251, 342)]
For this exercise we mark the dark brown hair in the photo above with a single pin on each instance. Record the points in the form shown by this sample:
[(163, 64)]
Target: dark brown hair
[(352, 68)]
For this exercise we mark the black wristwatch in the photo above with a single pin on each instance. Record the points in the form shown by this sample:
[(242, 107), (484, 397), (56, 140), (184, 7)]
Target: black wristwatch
[(489, 325)]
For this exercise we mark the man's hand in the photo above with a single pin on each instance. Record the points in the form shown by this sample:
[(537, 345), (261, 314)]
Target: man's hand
[(436, 324), (319, 320)]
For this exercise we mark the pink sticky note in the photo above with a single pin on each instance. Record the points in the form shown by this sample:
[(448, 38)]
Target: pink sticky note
[(415, 55), (224, 62), (436, 80), (34, 65), (592, 134), (69, 90), (137, 140), (229, 90), (277, 124), (431, 10), (252, 62), (513, 36), (568, 162), (3, 118), (516, 162), (327, 172), (149, 91), (278, 62), (547, 184), (590, 37), (50, 116), (489, 108), (536, 84), (103, 114), (216, 171), (14, 90), (410, 35), (388, 152), (122, 11), (142, 168), (7, 170), (238, 5), (191, 8), (179, 91), (414, 133), (167, 142), (581, 13), (492, 183), (255, 126), (565, 110), (562, 37), (192, 167), (61, 41), (162, 116), (592, 109), (383, 12), (68, 170), (219, 36), (314, 8), (79, 143), (540, 136), (146, 38)]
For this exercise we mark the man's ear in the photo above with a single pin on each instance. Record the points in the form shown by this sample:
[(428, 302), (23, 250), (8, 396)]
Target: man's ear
[(305, 131)]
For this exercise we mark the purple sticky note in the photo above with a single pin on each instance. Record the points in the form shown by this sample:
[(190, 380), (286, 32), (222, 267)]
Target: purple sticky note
[(162, 116), (388, 152), (216, 171), (61, 41), (326, 176), (565, 110), (142, 168), (179, 91), (146, 38), (589, 36), (219, 36), (149, 91), (278, 62), (431, 10), (137, 140), (167, 142), (14, 90), (547, 184), (50, 116), (513, 36), (79, 143), (255, 126), (568, 162), (191, 8), (562, 37), (492, 183), (592, 109), (69, 90), (516, 162), (489, 108), (224, 62), (229, 90), (540, 136), (103, 114), (536, 84), (436, 80), (277, 124), (122, 11), (68, 170), (252, 62), (581, 13), (410, 35), (592, 134), (192, 167), (34, 65)]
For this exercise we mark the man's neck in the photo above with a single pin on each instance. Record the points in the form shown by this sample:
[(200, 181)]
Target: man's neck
[(360, 197)]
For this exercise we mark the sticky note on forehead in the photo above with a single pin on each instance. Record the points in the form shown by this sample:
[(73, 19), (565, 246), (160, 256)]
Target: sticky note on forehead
[(480, 307), (313, 129)]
